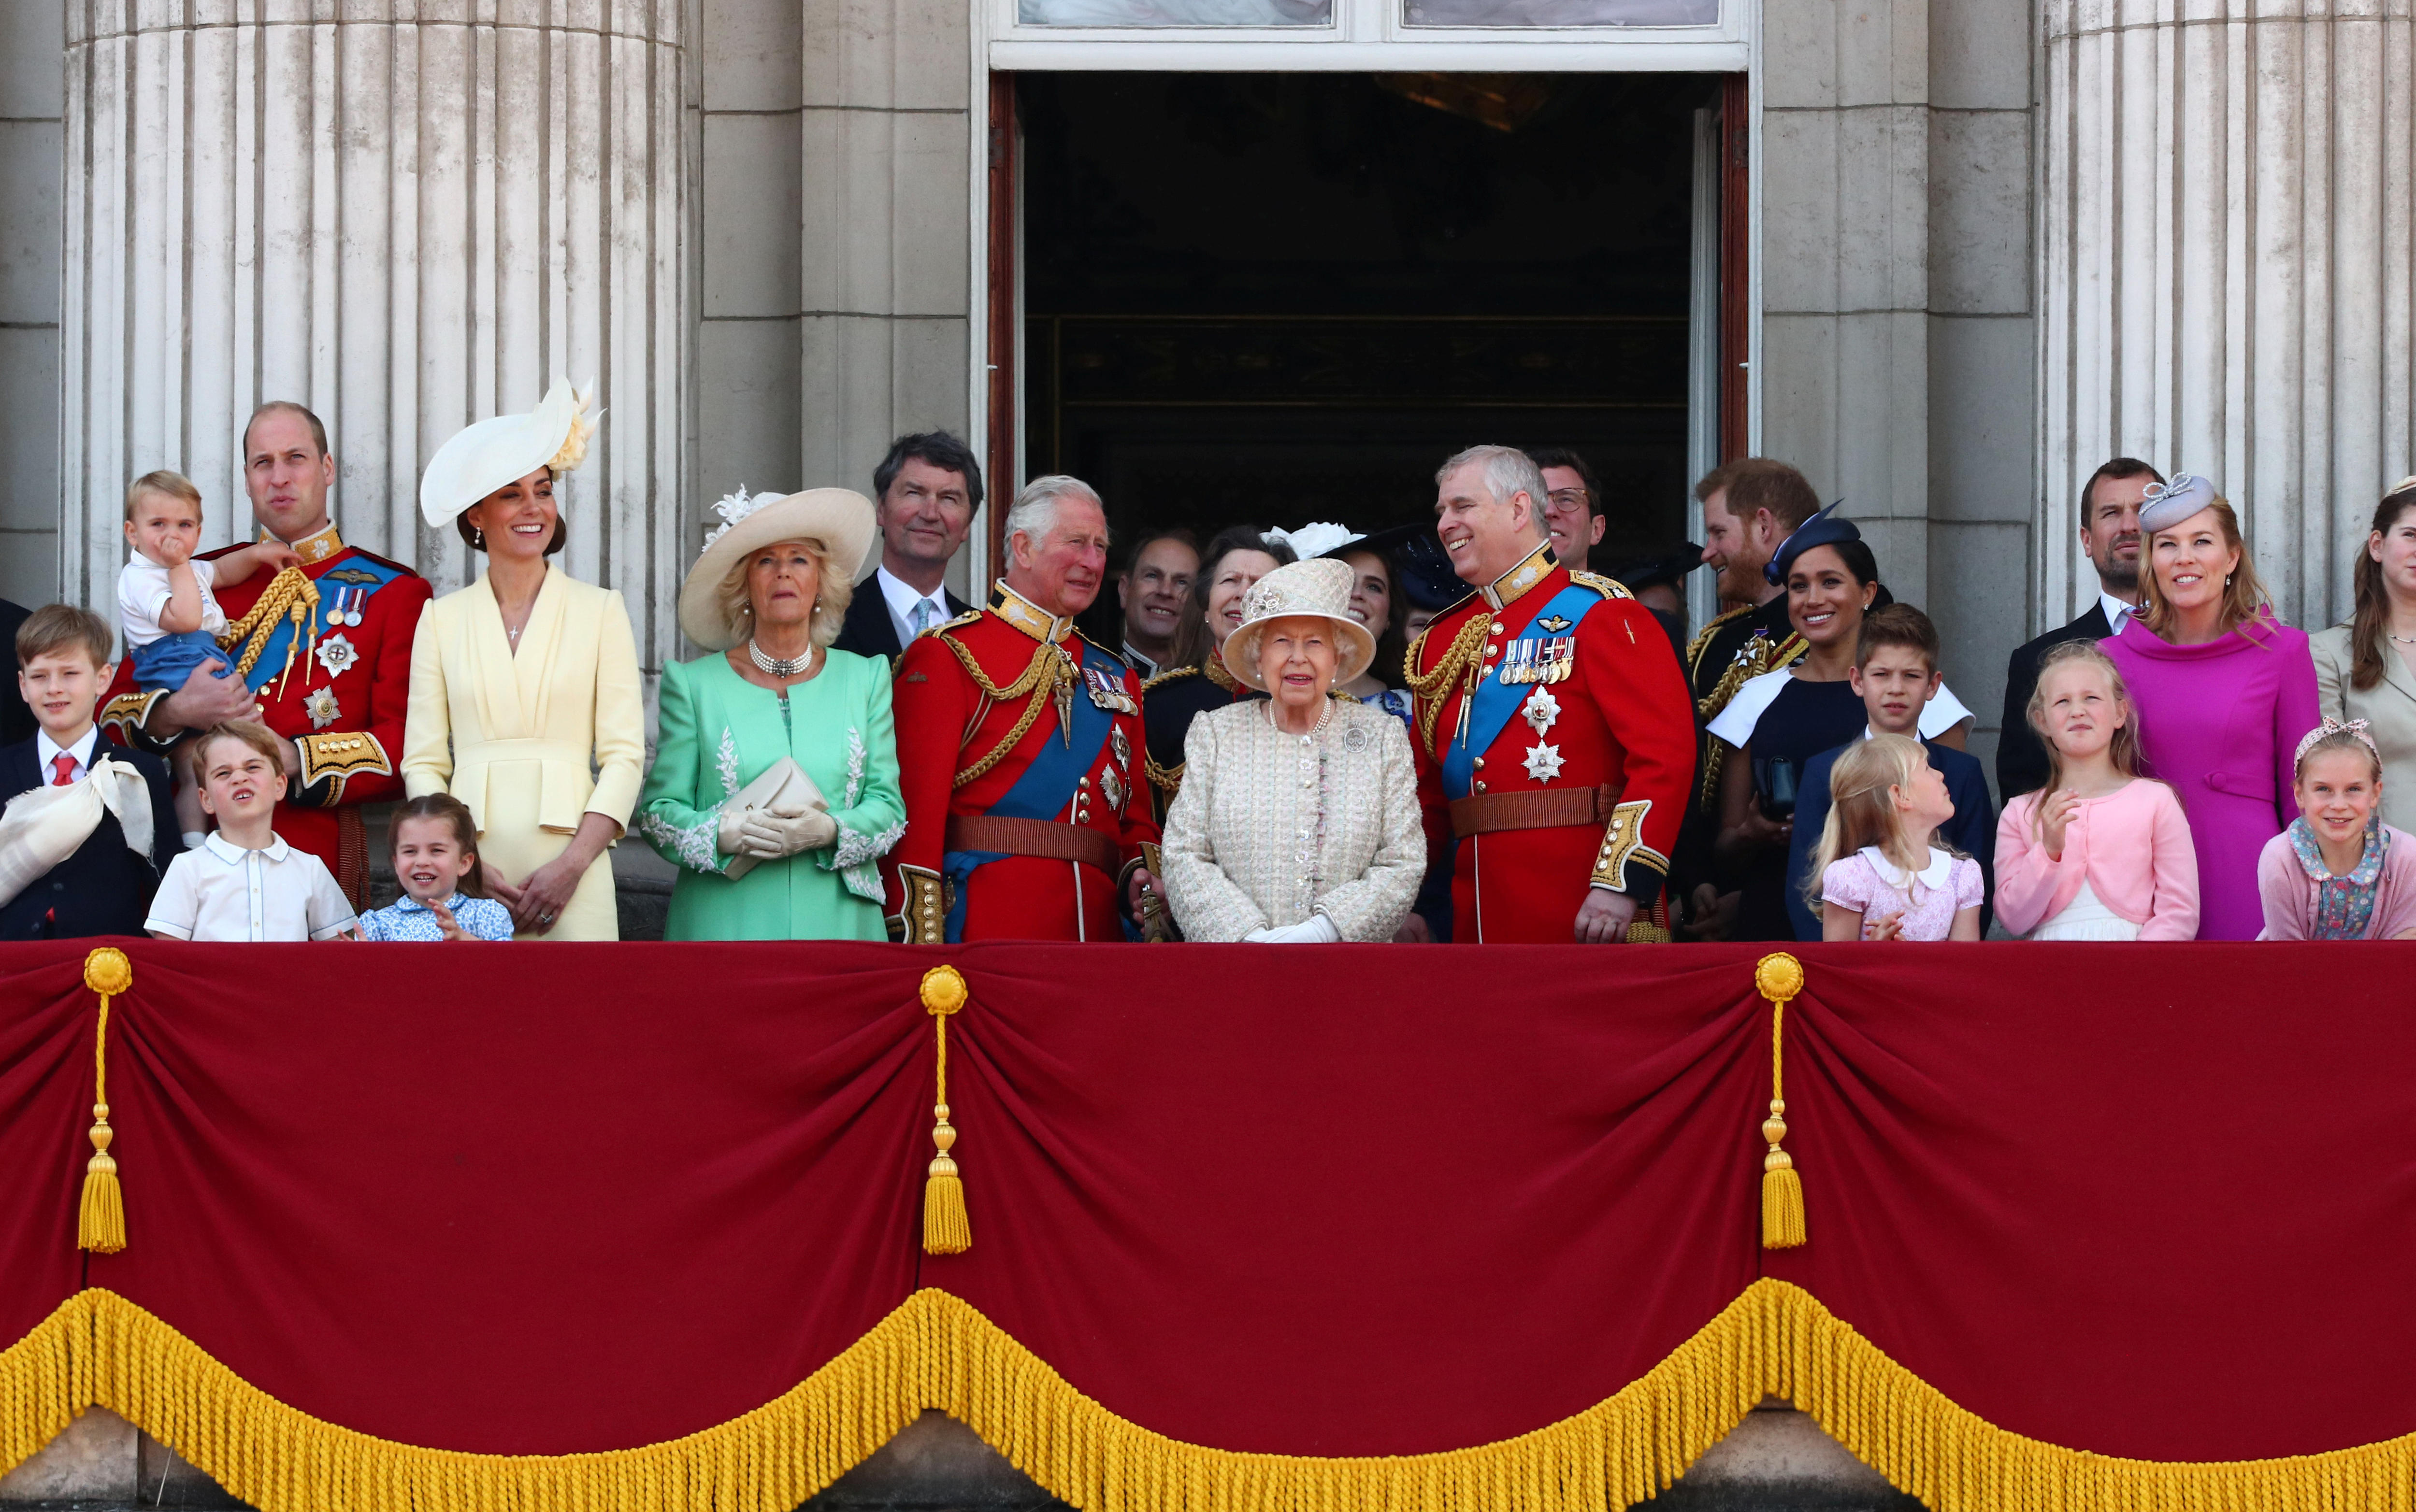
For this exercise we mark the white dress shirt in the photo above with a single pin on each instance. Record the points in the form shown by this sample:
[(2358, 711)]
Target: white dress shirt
[(46, 751), (2117, 611), (901, 597), (222, 892)]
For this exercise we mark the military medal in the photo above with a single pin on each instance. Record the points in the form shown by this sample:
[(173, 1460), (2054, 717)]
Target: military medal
[(1107, 690), (1113, 787), (1121, 746), (1544, 762), (322, 707)]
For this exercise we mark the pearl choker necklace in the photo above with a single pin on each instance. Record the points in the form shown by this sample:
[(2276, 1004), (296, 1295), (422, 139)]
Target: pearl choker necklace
[(776, 667)]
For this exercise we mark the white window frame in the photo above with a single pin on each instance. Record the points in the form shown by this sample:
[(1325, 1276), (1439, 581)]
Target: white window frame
[(1364, 36)]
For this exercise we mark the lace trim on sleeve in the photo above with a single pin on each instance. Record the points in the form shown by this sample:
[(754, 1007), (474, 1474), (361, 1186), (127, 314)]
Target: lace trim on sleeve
[(693, 846)]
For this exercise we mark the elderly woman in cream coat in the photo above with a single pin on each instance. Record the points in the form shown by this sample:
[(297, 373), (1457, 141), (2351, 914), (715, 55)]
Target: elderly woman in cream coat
[(525, 702), (1298, 819)]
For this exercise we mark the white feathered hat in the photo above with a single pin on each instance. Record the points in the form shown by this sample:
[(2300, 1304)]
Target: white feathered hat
[(484, 457), (840, 519)]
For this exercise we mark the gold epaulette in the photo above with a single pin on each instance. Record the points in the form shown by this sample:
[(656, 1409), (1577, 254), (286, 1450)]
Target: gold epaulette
[(1606, 587), (969, 617), (1741, 670)]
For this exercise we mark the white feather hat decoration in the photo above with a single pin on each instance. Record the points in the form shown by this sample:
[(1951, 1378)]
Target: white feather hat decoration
[(484, 457)]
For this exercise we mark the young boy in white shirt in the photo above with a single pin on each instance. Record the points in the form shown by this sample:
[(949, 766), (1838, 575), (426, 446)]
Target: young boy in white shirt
[(244, 883), (165, 605)]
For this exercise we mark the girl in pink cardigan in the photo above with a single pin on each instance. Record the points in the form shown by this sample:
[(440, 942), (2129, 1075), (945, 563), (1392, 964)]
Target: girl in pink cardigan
[(2100, 853)]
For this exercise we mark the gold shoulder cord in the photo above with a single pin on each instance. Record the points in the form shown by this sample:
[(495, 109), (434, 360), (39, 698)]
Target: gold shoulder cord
[(290, 596), (1050, 670), (1461, 658), (1702, 640)]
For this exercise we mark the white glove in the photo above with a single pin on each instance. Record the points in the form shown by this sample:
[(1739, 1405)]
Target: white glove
[(1315, 930), (772, 835), (726, 836)]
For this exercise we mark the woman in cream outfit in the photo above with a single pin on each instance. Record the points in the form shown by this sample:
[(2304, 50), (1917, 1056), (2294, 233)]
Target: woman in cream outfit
[(2366, 669), (1298, 819), (526, 701)]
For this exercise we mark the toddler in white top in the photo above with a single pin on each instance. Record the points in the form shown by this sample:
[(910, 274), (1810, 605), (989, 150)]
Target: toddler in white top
[(244, 883), (170, 618), (1876, 875)]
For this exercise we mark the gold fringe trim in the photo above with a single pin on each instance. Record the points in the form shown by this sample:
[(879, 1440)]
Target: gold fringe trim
[(935, 1350)]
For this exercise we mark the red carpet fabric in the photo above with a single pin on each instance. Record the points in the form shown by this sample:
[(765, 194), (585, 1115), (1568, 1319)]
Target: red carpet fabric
[(1334, 1202)]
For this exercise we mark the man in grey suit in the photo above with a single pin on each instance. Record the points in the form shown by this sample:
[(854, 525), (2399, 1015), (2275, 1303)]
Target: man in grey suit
[(2109, 532)]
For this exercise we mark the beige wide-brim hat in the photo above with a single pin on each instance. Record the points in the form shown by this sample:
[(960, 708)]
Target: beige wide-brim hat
[(484, 457), (838, 518), (1319, 586)]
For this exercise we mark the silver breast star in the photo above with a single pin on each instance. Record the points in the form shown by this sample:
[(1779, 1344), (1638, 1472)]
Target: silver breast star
[(1543, 762), (1540, 710)]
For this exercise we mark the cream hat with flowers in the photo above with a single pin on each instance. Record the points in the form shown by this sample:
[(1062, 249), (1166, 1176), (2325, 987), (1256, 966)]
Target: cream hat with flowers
[(484, 457), (838, 518), (1319, 586)]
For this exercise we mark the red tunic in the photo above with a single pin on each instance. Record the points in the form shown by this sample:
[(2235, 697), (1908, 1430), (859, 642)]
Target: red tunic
[(962, 690), (1623, 720), (347, 722)]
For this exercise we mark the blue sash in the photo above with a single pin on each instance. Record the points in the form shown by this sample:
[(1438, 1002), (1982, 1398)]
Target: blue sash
[(1493, 705), (1049, 780), (353, 575)]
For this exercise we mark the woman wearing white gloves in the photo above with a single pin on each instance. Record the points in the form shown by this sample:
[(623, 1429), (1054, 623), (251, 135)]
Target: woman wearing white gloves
[(1297, 821), (775, 785)]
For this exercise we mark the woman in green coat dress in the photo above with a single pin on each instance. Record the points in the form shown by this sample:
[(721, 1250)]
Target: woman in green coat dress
[(790, 854)]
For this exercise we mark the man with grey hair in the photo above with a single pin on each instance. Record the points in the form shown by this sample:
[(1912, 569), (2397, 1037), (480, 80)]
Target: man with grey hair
[(1550, 712), (1019, 751)]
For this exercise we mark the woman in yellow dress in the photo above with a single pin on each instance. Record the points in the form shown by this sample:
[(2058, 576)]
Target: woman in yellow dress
[(525, 702)]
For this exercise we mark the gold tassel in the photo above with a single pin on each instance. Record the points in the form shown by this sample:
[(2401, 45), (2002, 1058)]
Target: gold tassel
[(946, 1231), (101, 1218), (1779, 976)]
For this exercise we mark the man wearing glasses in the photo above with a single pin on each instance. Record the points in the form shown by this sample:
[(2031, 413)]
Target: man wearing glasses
[(1572, 511)]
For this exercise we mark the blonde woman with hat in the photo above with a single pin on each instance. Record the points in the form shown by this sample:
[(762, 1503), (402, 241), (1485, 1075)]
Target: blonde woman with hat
[(775, 788), (526, 701), (1298, 817)]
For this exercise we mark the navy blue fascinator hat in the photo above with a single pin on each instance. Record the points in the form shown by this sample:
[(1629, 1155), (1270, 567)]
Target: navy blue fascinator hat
[(1827, 527), (1428, 580)]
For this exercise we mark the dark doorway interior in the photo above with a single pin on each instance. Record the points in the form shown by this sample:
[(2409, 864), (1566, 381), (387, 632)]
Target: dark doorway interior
[(1286, 297)]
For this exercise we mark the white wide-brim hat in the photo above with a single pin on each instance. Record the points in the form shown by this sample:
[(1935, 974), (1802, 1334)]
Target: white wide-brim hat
[(840, 519), (1321, 587), (484, 457)]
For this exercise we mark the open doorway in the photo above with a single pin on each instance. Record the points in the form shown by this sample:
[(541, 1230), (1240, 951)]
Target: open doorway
[(1285, 297)]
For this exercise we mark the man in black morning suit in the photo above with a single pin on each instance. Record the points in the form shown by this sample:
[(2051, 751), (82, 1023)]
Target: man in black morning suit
[(924, 495), (2109, 532)]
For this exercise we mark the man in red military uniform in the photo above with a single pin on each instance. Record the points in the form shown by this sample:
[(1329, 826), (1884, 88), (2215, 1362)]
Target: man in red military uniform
[(1019, 752), (329, 655), (1550, 707)]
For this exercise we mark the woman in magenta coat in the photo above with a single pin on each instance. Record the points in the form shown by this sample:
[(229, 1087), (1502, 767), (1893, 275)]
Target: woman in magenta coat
[(2223, 691)]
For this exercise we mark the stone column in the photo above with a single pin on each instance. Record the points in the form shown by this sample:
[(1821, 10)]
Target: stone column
[(408, 214), (2227, 266)]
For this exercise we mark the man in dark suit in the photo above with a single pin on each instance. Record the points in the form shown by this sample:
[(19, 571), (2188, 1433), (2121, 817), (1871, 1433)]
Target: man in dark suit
[(2109, 532), (923, 493), (103, 886), (16, 718)]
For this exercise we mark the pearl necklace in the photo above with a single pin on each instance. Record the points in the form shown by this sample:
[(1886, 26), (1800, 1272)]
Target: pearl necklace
[(779, 666)]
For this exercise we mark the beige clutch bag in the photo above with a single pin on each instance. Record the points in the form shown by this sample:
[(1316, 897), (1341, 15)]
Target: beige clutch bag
[(783, 787)]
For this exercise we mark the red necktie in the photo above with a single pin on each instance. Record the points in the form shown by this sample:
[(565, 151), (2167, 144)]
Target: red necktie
[(64, 765)]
